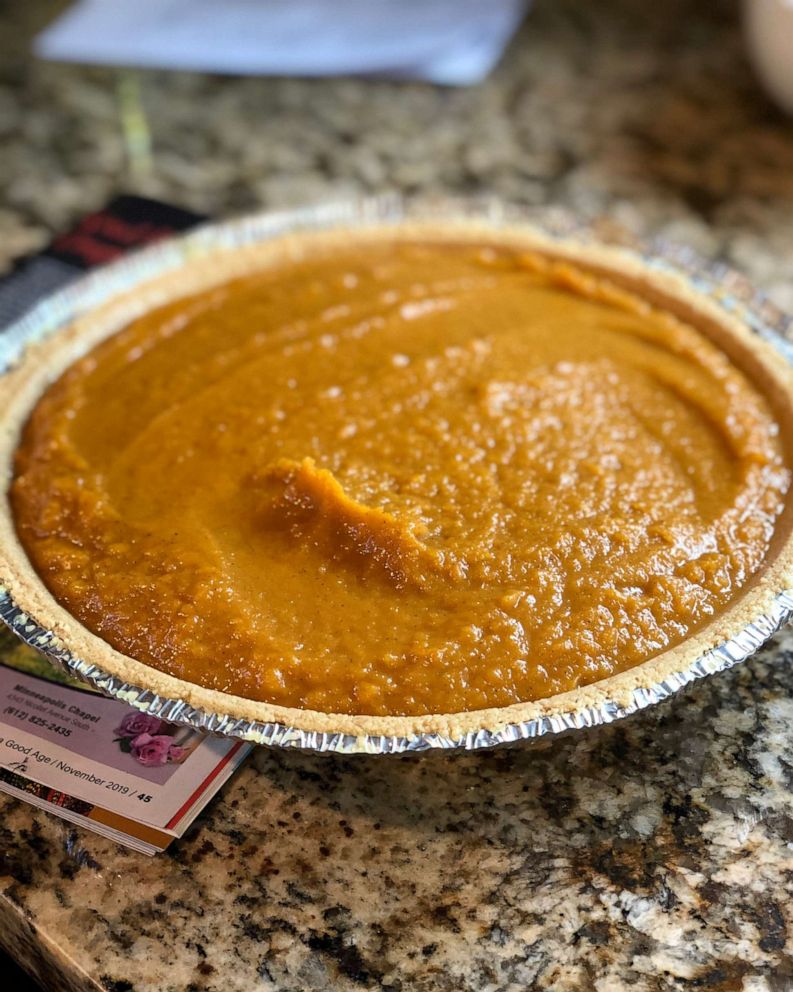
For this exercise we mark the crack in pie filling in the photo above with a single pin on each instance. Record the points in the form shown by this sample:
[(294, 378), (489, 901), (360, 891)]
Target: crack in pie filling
[(401, 477)]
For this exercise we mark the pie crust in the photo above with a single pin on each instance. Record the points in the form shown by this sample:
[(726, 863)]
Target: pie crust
[(44, 361)]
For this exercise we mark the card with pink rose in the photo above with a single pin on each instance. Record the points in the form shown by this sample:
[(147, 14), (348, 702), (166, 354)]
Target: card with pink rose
[(72, 715), (96, 761)]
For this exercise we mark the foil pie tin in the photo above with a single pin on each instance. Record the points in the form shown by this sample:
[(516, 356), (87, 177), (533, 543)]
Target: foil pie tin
[(719, 283)]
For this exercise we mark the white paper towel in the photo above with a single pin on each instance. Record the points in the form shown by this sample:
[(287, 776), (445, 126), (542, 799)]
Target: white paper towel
[(456, 42)]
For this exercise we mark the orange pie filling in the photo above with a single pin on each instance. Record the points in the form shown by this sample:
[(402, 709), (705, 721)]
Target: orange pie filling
[(400, 478)]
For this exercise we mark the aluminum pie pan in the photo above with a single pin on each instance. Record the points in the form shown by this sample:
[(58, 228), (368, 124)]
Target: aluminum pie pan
[(721, 285)]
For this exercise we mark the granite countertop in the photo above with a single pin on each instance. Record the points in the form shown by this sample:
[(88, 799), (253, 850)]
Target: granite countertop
[(652, 855)]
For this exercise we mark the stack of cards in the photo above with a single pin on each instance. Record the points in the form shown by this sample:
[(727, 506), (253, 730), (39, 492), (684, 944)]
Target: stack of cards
[(97, 762)]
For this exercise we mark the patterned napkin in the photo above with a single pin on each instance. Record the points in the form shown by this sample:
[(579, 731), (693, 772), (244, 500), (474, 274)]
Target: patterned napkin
[(127, 222)]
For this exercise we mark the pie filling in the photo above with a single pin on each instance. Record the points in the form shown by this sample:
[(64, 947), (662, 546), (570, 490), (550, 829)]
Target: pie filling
[(400, 478)]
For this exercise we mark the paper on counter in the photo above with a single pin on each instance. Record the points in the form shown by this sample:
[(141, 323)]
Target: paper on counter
[(100, 764), (454, 42)]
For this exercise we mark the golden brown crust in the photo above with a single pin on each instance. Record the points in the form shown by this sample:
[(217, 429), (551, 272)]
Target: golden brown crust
[(43, 362)]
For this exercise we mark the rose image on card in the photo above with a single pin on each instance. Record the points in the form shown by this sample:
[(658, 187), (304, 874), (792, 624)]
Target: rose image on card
[(135, 723), (151, 741), (154, 750)]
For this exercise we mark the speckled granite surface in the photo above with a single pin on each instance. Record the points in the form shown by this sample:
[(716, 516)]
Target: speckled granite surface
[(654, 855)]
